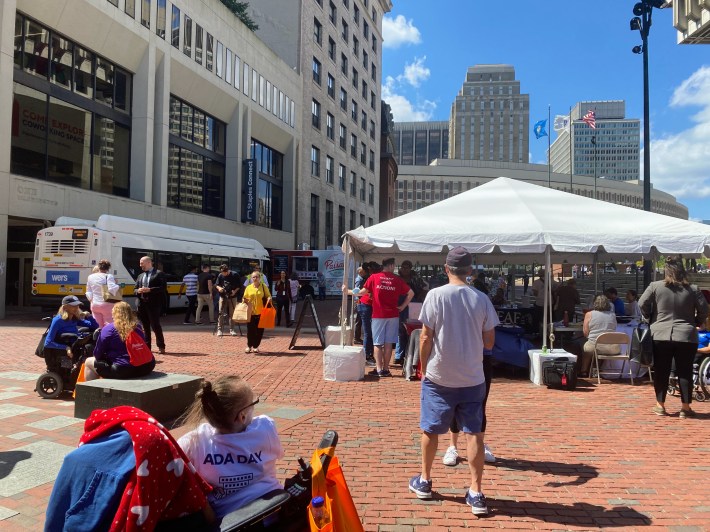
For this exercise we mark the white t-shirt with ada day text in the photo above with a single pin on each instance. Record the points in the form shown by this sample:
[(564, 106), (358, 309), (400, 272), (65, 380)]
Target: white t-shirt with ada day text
[(241, 467), (458, 315)]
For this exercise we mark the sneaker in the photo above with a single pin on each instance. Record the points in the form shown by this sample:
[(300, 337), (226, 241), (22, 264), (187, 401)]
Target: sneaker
[(255, 350), (220, 333), (422, 488), (232, 333), (659, 411), (490, 457), (370, 362), (686, 414), (451, 457), (247, 350), (385, 373), (477, 503), (374, 373), (186, 323), (198, 323)]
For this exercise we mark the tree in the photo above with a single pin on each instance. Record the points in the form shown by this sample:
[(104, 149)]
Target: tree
[(240, 11)]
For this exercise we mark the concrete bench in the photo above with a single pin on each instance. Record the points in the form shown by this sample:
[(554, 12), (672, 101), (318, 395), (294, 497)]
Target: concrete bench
[(164, 396)]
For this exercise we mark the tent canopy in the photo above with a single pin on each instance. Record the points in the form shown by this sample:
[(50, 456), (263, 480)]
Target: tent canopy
[(515, 221)]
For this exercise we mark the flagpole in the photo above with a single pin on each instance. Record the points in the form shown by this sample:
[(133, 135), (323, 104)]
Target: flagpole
[(571, 189), (549, 153)]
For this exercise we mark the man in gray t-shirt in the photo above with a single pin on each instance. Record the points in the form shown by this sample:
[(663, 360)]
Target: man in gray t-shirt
[(458, 324)]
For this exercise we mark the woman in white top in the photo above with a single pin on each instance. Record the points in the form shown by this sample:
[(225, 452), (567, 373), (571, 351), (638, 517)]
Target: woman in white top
[(632, 305), (232, 450), (599, 320), (100, 309)]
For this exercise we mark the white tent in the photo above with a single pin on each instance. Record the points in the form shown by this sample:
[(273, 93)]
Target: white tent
[(507, 219)]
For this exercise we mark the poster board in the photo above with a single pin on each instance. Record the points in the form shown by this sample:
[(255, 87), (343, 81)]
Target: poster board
[(308, 306)]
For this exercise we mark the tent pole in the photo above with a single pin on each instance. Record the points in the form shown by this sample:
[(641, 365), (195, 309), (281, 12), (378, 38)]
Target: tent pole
[(547, 297), (346, 283)]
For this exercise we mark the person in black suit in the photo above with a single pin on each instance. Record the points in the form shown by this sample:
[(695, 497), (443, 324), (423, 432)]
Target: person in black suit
[(150, 290)]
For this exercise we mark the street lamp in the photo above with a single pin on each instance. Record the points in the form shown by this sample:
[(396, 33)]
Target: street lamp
[(643, 12)]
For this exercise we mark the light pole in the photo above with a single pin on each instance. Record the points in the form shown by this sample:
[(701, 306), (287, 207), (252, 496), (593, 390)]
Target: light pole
[(643, 12)]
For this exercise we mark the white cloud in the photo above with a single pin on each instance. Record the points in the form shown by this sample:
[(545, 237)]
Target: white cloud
[(680, 162), (399, 31), (416, 72), (402, 109)]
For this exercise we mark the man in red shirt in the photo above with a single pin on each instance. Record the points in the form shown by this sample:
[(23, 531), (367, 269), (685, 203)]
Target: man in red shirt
[(385, 289)]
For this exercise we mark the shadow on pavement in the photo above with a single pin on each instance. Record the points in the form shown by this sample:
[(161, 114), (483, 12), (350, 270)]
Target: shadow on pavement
[(583, 472), (577, 514), (173, 354), (9, 459)]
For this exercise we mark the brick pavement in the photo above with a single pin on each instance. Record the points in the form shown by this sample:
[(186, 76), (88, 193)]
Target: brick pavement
[(594, 458)]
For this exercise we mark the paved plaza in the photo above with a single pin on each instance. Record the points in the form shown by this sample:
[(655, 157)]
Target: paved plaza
[(589, 459)]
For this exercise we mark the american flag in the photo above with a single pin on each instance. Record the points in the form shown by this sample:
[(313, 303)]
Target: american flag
[(590, 119)]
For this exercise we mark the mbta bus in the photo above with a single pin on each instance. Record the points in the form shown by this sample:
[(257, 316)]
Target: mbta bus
[(66, 254)]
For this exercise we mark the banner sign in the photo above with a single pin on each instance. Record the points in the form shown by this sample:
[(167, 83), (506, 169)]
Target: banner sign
[(250, 181)]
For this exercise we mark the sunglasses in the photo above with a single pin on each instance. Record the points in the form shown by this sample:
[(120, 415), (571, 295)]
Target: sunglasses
[(248, 406)]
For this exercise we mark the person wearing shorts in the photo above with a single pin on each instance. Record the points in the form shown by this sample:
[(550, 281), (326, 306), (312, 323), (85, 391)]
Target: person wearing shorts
[(458, 323), (385, 288)]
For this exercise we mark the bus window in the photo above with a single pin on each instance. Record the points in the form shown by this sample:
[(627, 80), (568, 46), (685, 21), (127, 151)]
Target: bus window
[(131, 258), (216, 262), (172, 265)]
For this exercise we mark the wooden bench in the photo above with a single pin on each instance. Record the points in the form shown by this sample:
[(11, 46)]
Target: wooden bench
[(164, 396)]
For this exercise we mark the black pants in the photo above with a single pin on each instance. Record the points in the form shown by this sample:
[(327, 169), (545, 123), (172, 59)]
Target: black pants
[(254, 333), (113, 371), (282, 305), (149, 314), (191, 307), (488, 375), (664, 353)]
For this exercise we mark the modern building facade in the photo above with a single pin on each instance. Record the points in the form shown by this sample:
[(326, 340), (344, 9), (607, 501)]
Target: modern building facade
[(338, 50), (420, 143), (692, 20), (610, 150), (490, 118), (144, 109), (419, 186)]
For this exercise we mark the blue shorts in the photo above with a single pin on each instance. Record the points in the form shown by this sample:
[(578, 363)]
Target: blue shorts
[(440, 404), (385, 330)]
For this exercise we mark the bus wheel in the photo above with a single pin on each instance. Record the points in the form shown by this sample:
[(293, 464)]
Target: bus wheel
[(50, 385)]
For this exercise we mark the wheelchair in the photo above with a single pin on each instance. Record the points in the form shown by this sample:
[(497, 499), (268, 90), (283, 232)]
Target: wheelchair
[(701, 380)]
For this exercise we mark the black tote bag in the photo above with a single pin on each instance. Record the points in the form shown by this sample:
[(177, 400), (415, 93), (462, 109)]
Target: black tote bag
[(642, 345)]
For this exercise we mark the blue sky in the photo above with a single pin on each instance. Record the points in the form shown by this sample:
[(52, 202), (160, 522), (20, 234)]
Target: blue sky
[(563, 51)]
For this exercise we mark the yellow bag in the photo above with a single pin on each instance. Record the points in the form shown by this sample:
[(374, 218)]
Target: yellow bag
[(334, 489), (267, 318), (242, 313)]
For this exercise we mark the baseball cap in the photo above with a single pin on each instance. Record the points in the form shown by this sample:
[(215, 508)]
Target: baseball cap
[(71, 300), (459, 257)]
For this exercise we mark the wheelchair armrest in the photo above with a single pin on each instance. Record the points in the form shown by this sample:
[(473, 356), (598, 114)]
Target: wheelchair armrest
[(255, 510)]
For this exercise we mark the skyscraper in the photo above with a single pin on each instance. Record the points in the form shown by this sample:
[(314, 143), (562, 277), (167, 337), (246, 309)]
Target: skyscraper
[(490, 118), (610, 150), (419, 143)]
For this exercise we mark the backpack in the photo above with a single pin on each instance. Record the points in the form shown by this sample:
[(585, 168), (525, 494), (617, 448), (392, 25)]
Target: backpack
[(138, 350)]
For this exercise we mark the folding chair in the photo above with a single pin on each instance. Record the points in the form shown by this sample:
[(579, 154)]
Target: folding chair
[(613, 338)]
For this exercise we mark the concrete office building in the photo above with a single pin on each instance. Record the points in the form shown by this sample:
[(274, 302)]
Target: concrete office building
[(490, 118), (692, 20), (421, 142), (143, 109), (611, 150), (419, 186), (338, 49)]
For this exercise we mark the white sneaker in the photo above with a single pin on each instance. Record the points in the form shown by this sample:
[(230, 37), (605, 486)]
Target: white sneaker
[(451, 457), (232, 333), (490, 457), (220, 333)]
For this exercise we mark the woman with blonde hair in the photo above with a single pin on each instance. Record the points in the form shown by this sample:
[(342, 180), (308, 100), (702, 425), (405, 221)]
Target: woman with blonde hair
[(257, 295), (674, 308), (111, 359), (100, 308), (223, 422)]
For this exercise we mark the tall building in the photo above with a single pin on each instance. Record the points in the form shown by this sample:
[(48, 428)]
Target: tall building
[(144, 109), (388, 164), (692, 20), (610, 150), (421, 142), (490, 118), (338, 50)]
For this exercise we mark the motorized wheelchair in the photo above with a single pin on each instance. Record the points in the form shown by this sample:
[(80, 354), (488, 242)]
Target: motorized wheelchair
[(63, 369), (701, 379)]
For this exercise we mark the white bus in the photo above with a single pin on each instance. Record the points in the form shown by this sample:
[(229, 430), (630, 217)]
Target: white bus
[(66, 254)]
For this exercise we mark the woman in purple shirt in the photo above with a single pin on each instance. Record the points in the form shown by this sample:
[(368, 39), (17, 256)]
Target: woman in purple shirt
[(111, 359)]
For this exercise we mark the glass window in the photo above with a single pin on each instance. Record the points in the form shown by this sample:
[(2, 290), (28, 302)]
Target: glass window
[(213, 188), (130, 8), (110, 158), (331, 86), (343, 135), (254, 84), (341, 177), (104, 81), (315, 161), (186, 122), (345, 34), (331, 49), (262, 89), (315, 114), (68, 144), (175, 112), (328, 223), (237, 71), (343, 99), (62, 54), (83, 71), (371, 195), (198, 127), (122, 99), (210, 53), (315, 223), (352, 184), (28, 146), (36, 49), (145, 13), (187, 36), (330, 126), (317, 31), (316, 70), (175, 27), (220, 60), (344, 64), (228, 67), (362, 189), (328, 169), (245, 80), (333, 13), (160, 23), (353, 218), (198, 43), (19, 40), (341, 221)]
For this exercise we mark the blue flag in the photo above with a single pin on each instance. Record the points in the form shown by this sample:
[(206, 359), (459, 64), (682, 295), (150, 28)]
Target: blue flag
[(539, 129)]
